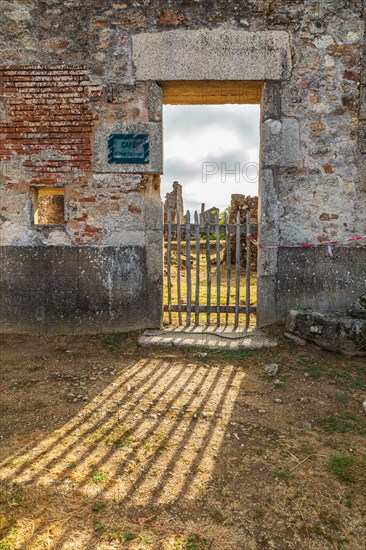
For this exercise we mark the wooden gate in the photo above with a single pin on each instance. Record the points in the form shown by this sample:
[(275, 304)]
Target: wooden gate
[(210, 272)]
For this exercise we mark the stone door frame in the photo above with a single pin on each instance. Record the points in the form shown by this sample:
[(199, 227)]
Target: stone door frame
[(244, 57)]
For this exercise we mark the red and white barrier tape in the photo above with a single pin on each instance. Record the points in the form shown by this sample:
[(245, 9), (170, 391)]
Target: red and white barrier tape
[(329, 244)]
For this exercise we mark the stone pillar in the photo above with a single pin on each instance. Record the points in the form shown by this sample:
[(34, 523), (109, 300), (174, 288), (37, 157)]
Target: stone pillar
[(268, 215), (362, 127)]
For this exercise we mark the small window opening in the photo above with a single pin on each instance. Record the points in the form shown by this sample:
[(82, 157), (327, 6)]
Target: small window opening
[(49, 206)]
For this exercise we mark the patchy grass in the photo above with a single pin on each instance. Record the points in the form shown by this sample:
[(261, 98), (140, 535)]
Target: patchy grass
[(145, 540), (39, 404), (115, 341), (341, 423), (120, 536), (98, 477), (349, 469), (99, 506), (120, 436), (195, 542), (154, 444), (234, 354), (282, 474), (15, 497)]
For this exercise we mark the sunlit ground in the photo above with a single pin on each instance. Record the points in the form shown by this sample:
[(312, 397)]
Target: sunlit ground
[(179, 449), (150, 438)]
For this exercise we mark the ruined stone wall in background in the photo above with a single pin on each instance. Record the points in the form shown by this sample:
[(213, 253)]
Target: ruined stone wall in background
[(174, 203), (243, 203)]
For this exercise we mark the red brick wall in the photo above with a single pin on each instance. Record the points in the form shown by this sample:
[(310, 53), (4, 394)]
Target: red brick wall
[(48, 120)]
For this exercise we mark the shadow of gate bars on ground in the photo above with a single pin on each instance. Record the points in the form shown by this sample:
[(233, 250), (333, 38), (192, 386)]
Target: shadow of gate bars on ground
[(209, 274)]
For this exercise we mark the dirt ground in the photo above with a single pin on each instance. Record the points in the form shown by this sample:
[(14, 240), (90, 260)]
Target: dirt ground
[(105, 444)]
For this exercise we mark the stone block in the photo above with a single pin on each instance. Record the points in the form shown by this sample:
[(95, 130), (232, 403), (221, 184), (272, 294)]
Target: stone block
[(272, 100), (363, 101), (291, 151), (154, 217), (358, 308), (269, 210), (154, 280), (123, 237), (267, 302), (271, 142), (104, 130), (155, 102), (332, 332), (281, 142), (224, 54)]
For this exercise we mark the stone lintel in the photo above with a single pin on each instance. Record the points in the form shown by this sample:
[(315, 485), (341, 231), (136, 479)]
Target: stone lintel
[(219, 54)]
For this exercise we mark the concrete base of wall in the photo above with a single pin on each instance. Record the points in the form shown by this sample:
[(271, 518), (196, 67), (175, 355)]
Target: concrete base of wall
[(312, 279), (77, 290), (86, 290), (309, 278)]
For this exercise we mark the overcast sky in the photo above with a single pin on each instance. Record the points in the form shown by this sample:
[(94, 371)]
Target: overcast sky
[(211, 134)]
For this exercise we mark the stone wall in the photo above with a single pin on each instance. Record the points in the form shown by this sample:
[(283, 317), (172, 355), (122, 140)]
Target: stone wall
[(74, 72), (52, 116), (243, 204), (46, 131), (174, 203)]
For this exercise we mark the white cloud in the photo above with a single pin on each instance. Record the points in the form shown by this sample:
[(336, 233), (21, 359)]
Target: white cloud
[(195, 134)]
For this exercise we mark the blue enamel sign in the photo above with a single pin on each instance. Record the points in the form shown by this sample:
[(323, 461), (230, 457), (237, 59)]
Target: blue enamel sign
[(128, 148)]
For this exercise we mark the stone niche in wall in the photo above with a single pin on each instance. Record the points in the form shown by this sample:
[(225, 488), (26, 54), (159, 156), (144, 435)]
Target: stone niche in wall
[(49, 206)]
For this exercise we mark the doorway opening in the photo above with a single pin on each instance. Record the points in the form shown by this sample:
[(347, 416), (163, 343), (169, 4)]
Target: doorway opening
[(210, 185)]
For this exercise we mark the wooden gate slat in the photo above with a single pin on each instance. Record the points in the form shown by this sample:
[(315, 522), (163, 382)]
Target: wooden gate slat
[(169, 260), (218, 266), (188, 267), (193, 232), (213, 309), (237, 269), (247, 293), (208, 268), (222, 228), (228, 268), (179, 253), (197, 239)]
